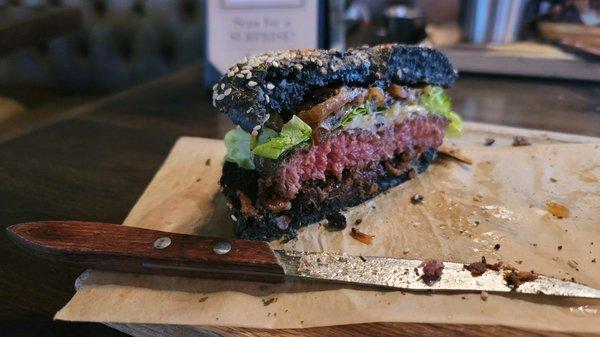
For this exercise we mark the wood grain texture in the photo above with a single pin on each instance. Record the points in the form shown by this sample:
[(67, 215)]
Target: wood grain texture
[(93, 162), (131, 249), (355, 330)]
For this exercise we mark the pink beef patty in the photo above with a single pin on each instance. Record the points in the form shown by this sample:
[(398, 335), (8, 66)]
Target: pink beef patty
[(357, 148)]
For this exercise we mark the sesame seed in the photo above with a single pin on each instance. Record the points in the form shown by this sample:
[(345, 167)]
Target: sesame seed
[(298, 66), (244, 71), (275, 64), (220, 97), (267, 98), (240, 75), (236, 69), (222, 86), (215, 86), (230, 74), (320, 63), (252, 83), (248, 76), (270, 86), (227, 92), (233, 217)]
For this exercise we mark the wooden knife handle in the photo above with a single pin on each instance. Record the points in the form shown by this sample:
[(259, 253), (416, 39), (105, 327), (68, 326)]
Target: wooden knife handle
[(138, 250)]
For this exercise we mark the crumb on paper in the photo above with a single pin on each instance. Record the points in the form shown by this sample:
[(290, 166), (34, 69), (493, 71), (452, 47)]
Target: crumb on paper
[(416, 199), (484, 295), (557, 210), (573, 264), (454, 153), (198, 180), (361, 237), (594, 260), (267, 301), (357, 222), (489, 142), (203, 299), (497, 246), (559, 247), (405, 251), (520, 141), (432, 270), (207, 162), (553, 180)]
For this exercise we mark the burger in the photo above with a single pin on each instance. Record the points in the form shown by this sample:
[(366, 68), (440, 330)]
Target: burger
[(318, 131)]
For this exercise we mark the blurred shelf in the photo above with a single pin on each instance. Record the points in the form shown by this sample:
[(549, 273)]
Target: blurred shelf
[(530, 59)]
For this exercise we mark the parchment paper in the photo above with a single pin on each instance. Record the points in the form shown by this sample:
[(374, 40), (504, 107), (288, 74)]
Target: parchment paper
[(466, 211)]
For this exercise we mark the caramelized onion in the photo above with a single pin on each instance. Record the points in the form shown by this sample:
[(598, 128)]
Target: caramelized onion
[(321, 111), (376, 94)]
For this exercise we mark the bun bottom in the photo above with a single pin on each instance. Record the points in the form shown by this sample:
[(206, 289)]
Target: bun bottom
[(316, 201)]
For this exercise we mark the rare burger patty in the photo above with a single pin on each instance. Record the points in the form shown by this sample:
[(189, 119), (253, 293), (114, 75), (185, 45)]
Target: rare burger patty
[(353, 149)]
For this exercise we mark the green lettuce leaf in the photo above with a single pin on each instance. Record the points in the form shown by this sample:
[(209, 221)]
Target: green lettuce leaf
[(239, 144), (294, 132), (361, 110), (435, 100)]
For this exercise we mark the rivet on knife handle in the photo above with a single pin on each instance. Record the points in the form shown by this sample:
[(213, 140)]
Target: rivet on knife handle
[(139, 250)]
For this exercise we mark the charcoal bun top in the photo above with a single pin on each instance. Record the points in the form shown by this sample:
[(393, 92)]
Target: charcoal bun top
[(255, 88)]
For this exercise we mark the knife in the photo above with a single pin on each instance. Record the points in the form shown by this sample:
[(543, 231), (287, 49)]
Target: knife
[(138, 250)]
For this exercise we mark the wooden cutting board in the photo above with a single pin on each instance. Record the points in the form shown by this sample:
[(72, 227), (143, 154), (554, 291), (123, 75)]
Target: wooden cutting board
[(475, 134)]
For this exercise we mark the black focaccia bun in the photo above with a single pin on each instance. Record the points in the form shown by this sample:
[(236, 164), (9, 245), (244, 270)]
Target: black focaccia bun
[(274, 83), (343, 164)]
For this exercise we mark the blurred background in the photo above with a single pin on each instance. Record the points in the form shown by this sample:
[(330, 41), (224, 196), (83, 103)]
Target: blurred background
[(55, 54)]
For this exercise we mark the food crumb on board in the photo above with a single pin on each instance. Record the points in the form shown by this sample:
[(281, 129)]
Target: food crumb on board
[(207, 162), (557, 210), (594, 260), (553, 180), (455, 154), (573, 264), (198, 180), (559, 247), (203, 299), (484, 295), (520, 141), (361, 237), (405, 251), (497, 246), (357, 222), (267, 301), (416, 199), (489, 141)]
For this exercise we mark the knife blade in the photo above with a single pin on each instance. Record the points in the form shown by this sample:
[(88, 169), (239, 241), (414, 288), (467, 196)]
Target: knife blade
[(138, 250)]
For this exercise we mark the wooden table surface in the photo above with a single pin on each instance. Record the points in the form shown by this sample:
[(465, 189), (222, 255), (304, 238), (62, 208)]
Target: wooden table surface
[(95, 161)]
